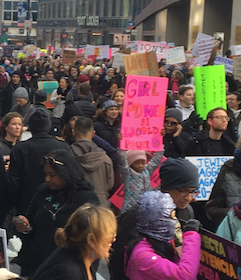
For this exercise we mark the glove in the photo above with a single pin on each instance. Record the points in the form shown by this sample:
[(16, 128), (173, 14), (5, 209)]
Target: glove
[(195, 119), (192, 225)]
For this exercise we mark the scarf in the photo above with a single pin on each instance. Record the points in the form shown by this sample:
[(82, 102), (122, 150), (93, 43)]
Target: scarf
[(175, 85), (237, 161), (235, 113), (63, 92)]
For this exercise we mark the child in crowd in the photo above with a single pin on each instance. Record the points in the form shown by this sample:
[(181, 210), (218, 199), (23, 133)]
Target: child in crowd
[(135, 174)]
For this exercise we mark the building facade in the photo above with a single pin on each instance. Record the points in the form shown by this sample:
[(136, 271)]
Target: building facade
[(12, 27)]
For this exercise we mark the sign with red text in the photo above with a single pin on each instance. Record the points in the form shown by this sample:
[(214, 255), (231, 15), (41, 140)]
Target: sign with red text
[(143, 113), (158, 48), (220, 258)]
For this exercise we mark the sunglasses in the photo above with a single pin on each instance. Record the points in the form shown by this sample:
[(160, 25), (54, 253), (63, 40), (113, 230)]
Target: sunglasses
[(50, 160), (170, 123)]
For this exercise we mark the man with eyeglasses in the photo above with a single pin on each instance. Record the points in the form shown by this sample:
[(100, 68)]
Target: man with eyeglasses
[(211, 141), (179, 178)]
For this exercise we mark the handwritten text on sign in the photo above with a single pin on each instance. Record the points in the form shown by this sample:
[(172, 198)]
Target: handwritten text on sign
[(176, 55), (228, 63), (208, 169), (220, 258), (143, 113)]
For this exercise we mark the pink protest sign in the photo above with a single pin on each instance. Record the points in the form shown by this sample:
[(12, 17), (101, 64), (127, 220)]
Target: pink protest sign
[(143, 113)]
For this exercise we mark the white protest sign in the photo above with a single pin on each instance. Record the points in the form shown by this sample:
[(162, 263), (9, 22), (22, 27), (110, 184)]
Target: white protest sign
[(196, 61), (159, 49), (228, 63), (4, 249), (176, 55), (237, 67), (199, 37), (208, 169), (133, 45), (237, 50), (101, 51), (114, 50), (118, 60), (205, 47)]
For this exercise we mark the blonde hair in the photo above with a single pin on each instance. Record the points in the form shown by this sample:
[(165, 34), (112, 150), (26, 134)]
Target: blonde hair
[(89, 218)]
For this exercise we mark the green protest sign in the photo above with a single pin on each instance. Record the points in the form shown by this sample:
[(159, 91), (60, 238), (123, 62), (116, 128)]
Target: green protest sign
[(49, 87), (210, 88)]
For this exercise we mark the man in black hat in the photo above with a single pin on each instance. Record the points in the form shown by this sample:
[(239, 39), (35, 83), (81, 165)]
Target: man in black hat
[(25, 172), (41, 100)]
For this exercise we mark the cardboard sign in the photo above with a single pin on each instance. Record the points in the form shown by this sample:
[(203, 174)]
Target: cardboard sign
[(228, 63), (31, 49), (68, 57), (101, 51), (158, 48), (118, 60), (208, 169), (79, 56), (199, 37), (196, 61), (220, 258), (205, 47), (4, 263), (49, 87), (141, 64), (176, 55), (143, 113), (210, 88), (237, 67)]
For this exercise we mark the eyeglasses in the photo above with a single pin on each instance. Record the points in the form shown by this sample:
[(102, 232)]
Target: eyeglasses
[(185, 193), (222, 118), (50, 160), (170, 123)]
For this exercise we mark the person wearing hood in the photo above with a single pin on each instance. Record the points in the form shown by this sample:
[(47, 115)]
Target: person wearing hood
[(120, 78), (23, 106), (97, 165), (7, 99), (185, 101), (107, 80)]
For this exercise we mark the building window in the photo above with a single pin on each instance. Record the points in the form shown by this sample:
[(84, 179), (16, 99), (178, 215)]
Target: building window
[(54, 10), (149, 24), (15, 5), (70, 9), (34, 15), (59, 10), (7, 5), (7, 15), (114, 8), (84, 8), (34, 6), (121, 8), (130, 8), (48, 10), (90, 7), (105, 8), (15, 16), (45, 11), (97, 7), (64, 9)]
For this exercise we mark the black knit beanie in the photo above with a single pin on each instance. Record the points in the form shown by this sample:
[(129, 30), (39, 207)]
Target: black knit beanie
[(71, 110), (39, 121)]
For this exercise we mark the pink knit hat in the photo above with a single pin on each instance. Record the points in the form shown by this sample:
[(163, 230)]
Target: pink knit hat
[(132, 156)]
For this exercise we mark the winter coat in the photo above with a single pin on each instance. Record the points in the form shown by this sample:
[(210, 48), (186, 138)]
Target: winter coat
[(59, 104), (86, 106), (25, 111), (230, 228), (225, 192), (121, 81), (4, 80), (107, 131), (45, 219), (63, 264), (174, 145), (6, 98), (136, 183), (144, 263), (42, 106), (5, 147), (98, 168), (25, 171), (200, 145)]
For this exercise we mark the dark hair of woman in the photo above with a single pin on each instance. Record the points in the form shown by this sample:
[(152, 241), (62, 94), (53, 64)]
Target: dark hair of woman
[(66, 79), (70, 169), (100, 114), (67, 134)]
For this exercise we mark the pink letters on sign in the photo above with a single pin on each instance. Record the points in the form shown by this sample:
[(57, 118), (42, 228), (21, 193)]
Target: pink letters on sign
[(143, 113)]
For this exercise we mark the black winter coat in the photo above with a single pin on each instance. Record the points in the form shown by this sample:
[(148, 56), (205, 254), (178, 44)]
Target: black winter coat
[(107, 131), (25, 171), (63, 264), (87, 108), (39, 243)]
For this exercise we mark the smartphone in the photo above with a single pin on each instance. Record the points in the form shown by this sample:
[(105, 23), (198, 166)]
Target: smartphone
[(16, 219)]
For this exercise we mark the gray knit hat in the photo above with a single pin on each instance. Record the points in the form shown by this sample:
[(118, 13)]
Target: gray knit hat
[(154, 210), (178, 173), (108, 104), (21, 92), (174, 113)]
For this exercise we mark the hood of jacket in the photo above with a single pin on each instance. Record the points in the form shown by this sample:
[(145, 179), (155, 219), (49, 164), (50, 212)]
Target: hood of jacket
[(88, 154)]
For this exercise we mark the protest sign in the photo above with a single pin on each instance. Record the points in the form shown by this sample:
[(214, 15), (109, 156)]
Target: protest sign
[(4, 263), (31, 49), (210, 88), (133, 45), (199, 37), (118, 197), (113, 51), (158, 48), (237, 50), (237, 67), (49, 87), (101, 51), (143, 113), (208, 169), (196, 61), (228, 63), (68, 57), (118, 60), (220, 258), (141, 64), (93, 57), (21, 55), (205, 47), (79, 56), (176, 55)]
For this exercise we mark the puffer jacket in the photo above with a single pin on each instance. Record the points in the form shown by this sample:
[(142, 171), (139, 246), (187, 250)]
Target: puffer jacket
[(225, 192)]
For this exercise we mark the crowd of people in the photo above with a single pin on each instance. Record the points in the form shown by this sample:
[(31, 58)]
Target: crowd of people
[(59, 168)]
